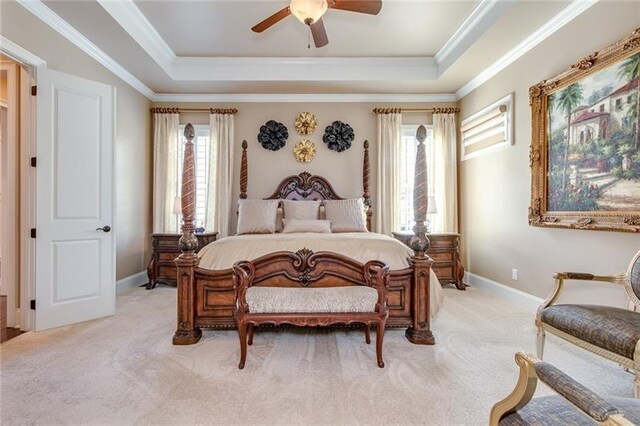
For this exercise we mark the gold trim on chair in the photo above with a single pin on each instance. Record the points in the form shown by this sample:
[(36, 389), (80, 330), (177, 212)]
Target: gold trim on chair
[(622, 278)]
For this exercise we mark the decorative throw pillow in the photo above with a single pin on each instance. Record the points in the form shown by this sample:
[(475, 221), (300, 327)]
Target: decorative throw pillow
[(346, 215), (257, 216), (295, 225), (301, 210)]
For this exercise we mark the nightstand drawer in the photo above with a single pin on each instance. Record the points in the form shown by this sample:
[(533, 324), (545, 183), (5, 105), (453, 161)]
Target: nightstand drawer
[(442, 256)]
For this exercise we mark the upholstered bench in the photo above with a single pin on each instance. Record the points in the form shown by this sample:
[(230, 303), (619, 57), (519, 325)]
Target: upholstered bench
[(308, 289)]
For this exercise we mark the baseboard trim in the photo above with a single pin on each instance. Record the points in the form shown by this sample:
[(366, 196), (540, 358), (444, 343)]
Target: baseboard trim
[(134, 280), (523, 299)]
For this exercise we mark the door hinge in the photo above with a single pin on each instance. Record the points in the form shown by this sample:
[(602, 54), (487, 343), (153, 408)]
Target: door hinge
[(32, 304), (34, 90), (33, 232), (33, 161)]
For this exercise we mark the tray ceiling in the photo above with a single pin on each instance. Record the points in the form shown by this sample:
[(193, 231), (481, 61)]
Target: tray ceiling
[(416, 47)]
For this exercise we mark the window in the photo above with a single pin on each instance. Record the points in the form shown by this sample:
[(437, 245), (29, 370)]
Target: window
[(489, 129), (602, 108), (201, 146), (618, 104), (407, 167)]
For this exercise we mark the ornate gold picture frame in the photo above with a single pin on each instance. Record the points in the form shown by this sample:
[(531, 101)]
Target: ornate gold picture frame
[(585, 146)]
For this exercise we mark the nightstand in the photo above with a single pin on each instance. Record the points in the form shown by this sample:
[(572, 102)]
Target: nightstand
[(162, 266), (445, 252)]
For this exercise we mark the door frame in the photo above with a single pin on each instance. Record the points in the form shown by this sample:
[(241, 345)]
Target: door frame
[(29, 63)]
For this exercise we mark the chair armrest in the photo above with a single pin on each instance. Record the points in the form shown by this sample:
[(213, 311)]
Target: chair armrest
[(243, 273), (532, 369), (621, 278), (580, 396)]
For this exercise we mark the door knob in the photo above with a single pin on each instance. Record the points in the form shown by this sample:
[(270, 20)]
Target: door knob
[(105, 228)]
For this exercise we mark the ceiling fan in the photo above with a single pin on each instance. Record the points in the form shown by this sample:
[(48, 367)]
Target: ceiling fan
[(310, 12)]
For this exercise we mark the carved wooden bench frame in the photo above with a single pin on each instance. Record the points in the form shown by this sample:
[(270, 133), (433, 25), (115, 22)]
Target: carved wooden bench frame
[(294, 270)]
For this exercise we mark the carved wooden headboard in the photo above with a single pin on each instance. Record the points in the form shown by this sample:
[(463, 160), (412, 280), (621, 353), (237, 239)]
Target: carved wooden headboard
[(306, 186)]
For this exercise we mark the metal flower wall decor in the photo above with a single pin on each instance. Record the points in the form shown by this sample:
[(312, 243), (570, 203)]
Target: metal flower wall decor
[(304, 151), (273, 135), (338, 136), (306, 123)]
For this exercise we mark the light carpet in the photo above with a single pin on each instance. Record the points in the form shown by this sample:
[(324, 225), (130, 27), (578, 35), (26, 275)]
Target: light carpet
[(124, 369)]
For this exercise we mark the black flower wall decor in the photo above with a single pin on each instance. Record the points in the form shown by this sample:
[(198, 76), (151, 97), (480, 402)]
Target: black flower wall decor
[(273, 135), (338, 136)]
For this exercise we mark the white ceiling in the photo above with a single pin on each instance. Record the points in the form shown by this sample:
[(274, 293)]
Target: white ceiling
[(223, 29), (413, 47)]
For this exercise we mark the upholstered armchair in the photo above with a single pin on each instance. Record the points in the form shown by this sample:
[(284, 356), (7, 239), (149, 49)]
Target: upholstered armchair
[(613, 333), (575, 404)]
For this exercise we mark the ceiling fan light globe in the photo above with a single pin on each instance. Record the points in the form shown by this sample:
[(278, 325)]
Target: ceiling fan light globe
[(308, 11)]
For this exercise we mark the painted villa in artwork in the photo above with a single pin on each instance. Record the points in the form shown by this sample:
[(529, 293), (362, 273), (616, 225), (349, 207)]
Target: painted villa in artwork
[(594, 149)]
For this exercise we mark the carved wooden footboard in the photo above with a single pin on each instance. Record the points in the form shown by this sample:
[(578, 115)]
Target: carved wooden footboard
[(206, 297)]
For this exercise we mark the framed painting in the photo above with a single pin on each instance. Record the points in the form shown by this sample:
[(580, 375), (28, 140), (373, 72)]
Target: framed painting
[(585, 147)]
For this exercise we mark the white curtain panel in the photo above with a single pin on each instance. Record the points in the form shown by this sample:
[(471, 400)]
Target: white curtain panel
[(445, 182), (166, 144), (388, 181), (220, 204)]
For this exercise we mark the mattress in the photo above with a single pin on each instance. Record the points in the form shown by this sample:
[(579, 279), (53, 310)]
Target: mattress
[(361, 246)]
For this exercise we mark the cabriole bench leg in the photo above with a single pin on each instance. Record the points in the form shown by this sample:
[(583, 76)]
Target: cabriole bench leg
[(367, 332), (379, 337)]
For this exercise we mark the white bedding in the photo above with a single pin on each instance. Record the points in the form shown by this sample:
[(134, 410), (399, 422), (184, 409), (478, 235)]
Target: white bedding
[(361, 246)]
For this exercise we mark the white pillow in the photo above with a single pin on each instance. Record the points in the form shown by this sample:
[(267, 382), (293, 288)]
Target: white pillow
[(257, 216), (296, 225), (301, 210), (346, 215)]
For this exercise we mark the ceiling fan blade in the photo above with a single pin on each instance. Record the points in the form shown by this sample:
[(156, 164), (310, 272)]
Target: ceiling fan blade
[(272, 20), (370, 7), (319, 33)]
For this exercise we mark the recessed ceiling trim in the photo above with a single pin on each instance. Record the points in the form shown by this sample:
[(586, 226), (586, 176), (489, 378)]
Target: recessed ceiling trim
[(304, 69), (313, 97), (136, 24), (20, 54), (558, 21), (52, 19), (182, 68), (482, 17)]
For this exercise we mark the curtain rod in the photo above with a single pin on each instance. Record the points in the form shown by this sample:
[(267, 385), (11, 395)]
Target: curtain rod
[(447, 110), (209, 110)]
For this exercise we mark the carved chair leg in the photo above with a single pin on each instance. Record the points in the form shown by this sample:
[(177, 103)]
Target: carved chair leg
[(367, 332), (250, 334), (540, 342), (242, 333), (379, 337)]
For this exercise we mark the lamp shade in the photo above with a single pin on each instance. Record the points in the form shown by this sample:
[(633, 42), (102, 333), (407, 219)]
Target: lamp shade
[(177, 205), (432, 207), (308, 11)]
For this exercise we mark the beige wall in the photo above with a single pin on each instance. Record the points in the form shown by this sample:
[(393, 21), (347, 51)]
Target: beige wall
[(495, 188), (268, 168), (133, 141)]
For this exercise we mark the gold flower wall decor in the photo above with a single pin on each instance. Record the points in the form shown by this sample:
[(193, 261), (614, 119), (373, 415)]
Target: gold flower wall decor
[(305, 123), (305, 151)]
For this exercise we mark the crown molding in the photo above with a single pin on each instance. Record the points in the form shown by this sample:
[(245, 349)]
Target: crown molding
[(20, 54), (561, 19), (482, 17), (302, 98), (52, 19), (136, 24), (304, 69)]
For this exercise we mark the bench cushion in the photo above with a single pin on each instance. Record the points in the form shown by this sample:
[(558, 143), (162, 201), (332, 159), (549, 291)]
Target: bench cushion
[(614, 329), (263, 300)]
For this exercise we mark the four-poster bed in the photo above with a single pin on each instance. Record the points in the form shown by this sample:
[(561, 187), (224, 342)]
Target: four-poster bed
[(206, 294)]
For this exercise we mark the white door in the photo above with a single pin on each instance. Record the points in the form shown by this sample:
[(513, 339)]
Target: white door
[(75, 247)]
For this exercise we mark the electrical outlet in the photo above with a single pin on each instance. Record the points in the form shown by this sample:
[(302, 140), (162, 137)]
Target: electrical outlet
[(514, 274)]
